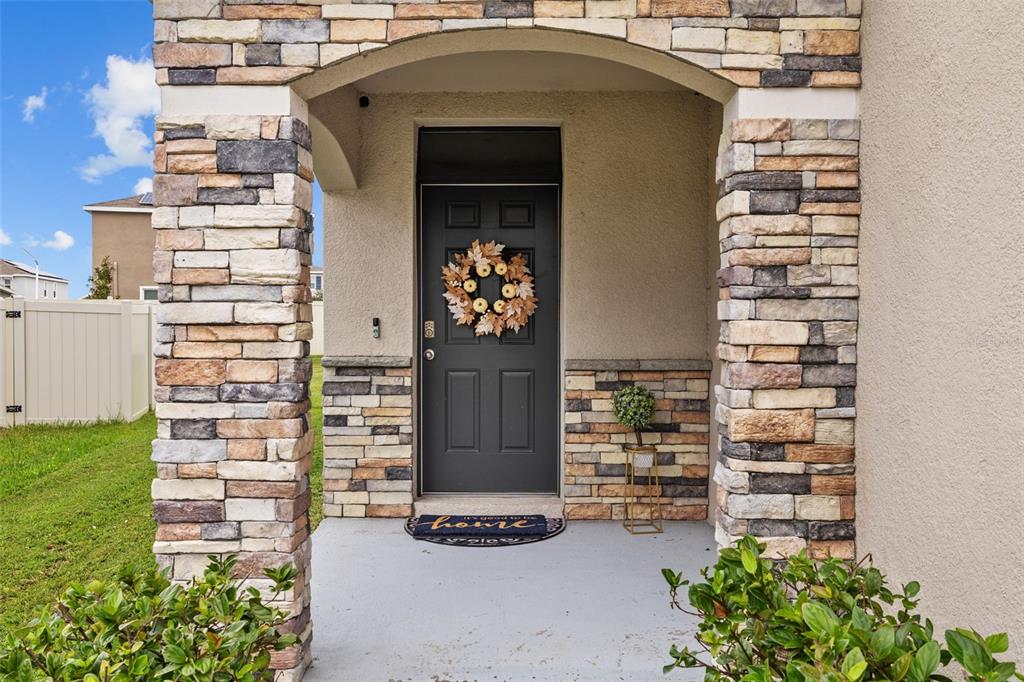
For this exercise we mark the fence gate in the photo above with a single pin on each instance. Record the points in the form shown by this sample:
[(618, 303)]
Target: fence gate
[(75, 361)]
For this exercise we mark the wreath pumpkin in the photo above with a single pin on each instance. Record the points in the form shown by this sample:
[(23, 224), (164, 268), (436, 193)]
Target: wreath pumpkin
[(517, 303)]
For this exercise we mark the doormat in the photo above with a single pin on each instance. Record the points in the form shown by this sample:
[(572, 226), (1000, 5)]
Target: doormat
[(483, 531)]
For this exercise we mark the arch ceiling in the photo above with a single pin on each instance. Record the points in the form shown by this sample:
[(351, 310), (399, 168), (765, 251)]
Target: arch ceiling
[(597, 59)]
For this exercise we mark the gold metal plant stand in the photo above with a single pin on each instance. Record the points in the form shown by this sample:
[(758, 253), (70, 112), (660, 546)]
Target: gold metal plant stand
[(641, 523)]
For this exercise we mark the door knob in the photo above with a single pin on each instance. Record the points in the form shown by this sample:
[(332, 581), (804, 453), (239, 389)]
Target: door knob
[(428, 354)]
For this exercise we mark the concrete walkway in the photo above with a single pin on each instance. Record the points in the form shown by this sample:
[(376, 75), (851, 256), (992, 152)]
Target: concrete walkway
[(589, 605)]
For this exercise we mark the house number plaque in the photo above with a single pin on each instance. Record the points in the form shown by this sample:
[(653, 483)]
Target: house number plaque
[(428, 329)]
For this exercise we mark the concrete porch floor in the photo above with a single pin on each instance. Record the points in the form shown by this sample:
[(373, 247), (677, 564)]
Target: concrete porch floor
[(589, 604)]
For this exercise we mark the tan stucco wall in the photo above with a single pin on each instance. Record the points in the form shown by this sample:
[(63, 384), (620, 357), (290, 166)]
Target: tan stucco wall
[(128, 239), (713, 262), (634, 234), (940, 395)]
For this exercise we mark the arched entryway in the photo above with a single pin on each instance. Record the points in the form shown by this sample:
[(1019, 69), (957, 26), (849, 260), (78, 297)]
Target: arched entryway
[(235, 163), (632, 243)]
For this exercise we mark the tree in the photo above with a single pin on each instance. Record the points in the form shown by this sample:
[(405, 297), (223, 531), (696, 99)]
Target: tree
[(102, 280)]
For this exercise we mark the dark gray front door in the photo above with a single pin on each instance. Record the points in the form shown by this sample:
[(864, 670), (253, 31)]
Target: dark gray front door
[(489, 406)]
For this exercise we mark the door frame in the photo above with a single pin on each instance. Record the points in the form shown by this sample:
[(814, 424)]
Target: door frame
[(417, 363)]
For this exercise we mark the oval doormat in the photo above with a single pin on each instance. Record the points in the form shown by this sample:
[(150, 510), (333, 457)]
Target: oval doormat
[(483, 531)]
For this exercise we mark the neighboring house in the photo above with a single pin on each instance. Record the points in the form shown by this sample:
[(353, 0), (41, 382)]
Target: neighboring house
[(20, 279), (121, 232), (316, 281), (684, 180)]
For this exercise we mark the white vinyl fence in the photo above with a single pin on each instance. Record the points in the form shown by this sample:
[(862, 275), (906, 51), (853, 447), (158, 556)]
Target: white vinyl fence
[(316, 344), (75, 361)]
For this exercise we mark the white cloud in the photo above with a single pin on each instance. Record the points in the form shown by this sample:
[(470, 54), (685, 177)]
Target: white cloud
[(61, 241), (119, 109), (5, 238), (143, 185), (32, 104)]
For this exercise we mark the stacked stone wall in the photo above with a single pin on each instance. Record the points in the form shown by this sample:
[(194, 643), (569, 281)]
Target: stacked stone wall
[(368, 441), (754, 43), (231, 259), (595, 461), (789, 216)]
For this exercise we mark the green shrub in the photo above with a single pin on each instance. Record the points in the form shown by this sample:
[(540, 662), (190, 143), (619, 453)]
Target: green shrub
[(634, 408), (142, 627), (803, 620)]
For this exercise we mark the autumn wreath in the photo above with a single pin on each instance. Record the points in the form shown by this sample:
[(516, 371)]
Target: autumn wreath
[(517, 302)]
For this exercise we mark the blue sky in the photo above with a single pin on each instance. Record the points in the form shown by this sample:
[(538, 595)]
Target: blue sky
[(76, 124)]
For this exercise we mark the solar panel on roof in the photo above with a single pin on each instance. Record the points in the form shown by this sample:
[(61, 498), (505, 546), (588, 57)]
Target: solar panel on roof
[(146, 199)]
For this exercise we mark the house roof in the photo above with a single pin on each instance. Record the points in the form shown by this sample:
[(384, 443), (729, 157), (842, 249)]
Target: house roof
[(10, 268), (140, 203)]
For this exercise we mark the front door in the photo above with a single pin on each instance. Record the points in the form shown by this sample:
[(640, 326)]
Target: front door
[(489, 404)]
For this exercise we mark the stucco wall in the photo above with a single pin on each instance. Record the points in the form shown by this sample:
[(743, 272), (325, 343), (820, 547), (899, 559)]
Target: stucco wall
[(940, 395), (712, 262), (128, 239), (634, 234)]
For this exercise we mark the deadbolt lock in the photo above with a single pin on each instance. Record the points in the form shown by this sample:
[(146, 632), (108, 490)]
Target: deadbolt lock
[(428, 329)]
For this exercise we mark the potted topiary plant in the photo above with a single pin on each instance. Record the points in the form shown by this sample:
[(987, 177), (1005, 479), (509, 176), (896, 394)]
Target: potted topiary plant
[(634, 409)]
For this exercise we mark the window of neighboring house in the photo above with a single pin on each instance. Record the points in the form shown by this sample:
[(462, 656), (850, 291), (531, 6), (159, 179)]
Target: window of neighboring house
[(7, 282), (318, 282), (148, 293)]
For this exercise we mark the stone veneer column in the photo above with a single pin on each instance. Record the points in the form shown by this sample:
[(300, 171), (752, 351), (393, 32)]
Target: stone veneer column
[(368, 436), (789, 210), (233, 237)]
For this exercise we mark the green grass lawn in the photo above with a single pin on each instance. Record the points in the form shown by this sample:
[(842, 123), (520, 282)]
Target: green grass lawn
[(74, 504), (316, 473)]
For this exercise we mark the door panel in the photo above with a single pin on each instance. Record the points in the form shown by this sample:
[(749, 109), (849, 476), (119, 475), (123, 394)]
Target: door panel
[(489, 406), (516, 410), (462, 411)]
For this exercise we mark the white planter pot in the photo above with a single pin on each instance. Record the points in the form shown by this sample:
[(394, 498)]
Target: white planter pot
[(643, 459)]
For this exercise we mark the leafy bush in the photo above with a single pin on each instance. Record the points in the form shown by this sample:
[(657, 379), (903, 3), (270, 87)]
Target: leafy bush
[(142, 627), (634, 408), (804, 620)]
